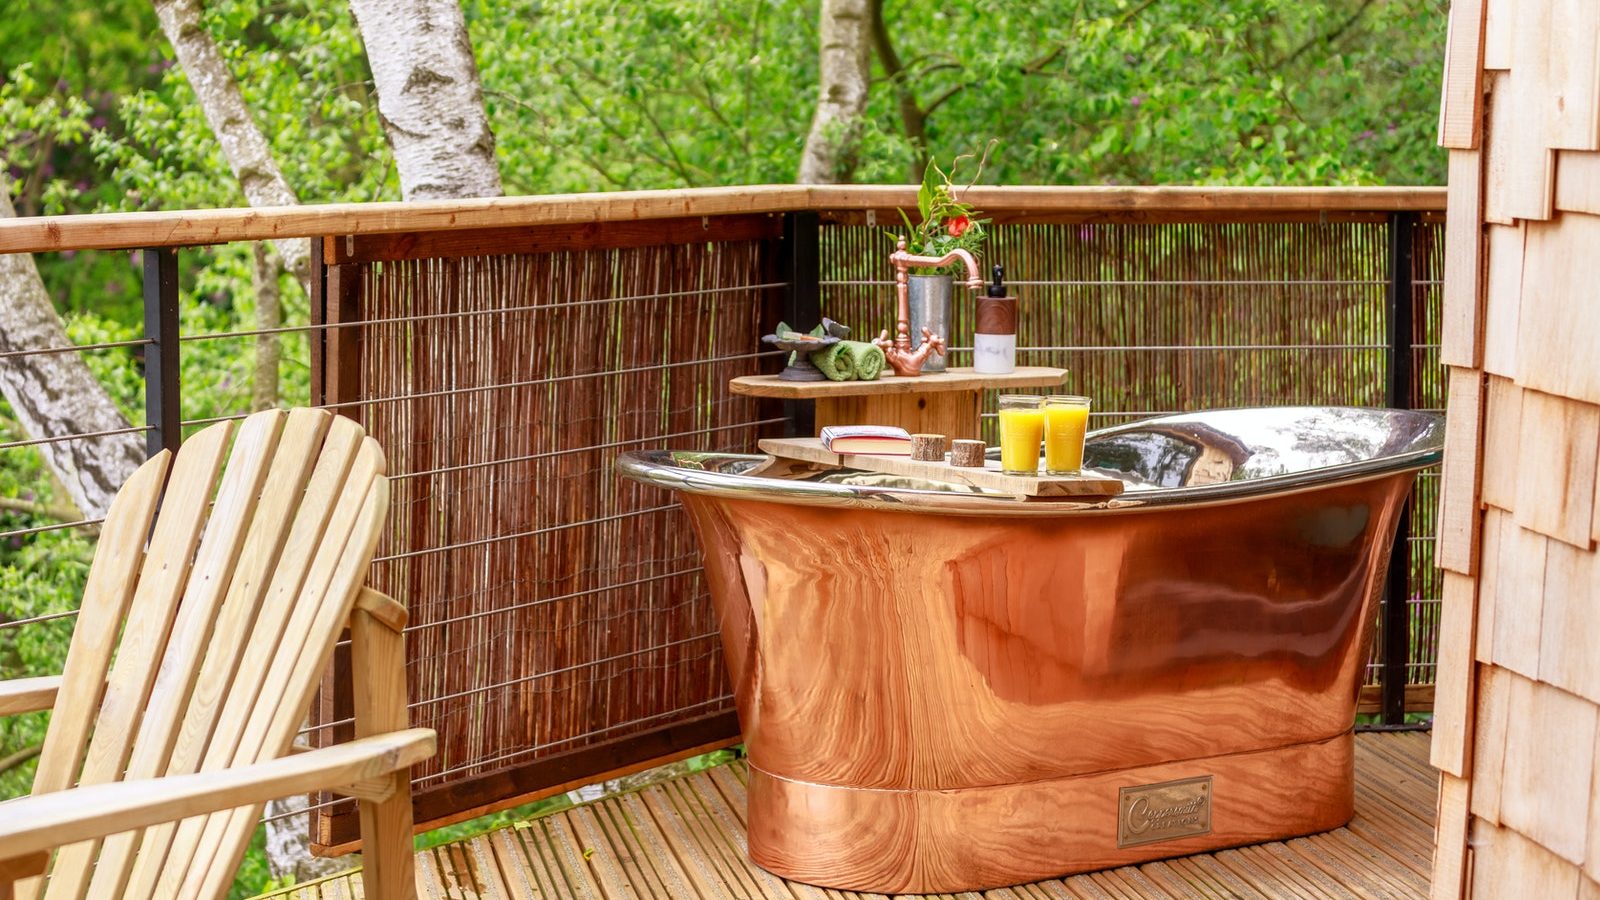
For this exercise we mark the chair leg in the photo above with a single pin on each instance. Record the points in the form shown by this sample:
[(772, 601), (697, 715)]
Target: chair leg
[(378, 659), (387, 860)]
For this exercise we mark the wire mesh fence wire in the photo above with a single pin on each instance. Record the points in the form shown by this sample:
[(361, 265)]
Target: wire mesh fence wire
[(1153, 318)]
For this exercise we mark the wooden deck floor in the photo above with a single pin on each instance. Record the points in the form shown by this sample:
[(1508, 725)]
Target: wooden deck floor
[(684, 838)]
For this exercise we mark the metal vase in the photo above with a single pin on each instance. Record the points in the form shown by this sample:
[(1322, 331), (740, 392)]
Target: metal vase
[(930, 309)]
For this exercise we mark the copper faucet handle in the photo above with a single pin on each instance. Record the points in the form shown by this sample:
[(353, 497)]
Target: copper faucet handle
[(935, 341), (882, 341)]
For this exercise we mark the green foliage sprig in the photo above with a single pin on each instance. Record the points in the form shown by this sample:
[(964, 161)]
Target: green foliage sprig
[(946, 221)]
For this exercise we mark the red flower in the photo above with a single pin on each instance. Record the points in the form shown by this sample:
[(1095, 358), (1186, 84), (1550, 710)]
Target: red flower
[(957, 226)]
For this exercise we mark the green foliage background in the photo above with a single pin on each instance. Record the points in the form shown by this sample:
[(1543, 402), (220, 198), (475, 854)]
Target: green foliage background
[(587, 95)]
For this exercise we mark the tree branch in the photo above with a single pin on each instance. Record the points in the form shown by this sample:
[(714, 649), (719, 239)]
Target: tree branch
[(606, 124), (244, 146), (59, 513), (269, 315), (1327, 38), (676, 163), (7, 763), (1036, 66), (913, 118), (939, 101)]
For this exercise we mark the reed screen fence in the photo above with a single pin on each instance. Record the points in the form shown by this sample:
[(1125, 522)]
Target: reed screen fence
[(560, 629), (557, 611)]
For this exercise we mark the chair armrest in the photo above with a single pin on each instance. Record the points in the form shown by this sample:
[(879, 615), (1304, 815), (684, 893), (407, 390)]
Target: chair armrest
[(47, 821), (25, 695)]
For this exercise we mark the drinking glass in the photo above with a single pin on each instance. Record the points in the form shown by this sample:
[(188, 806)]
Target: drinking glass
[(1021, 432), (1066, 421)]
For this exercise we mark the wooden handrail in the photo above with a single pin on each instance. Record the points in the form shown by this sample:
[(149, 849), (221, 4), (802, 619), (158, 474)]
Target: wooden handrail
[(109, 231)]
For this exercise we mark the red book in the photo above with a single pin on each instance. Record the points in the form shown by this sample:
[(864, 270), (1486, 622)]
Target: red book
[(882, 440)]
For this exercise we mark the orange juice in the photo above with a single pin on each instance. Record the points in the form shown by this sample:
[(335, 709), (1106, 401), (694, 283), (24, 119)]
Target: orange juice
[(1021, 431), (1066, 420)]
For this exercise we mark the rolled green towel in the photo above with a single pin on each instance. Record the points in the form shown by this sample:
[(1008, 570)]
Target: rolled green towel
[(836, 361), (869, 359)]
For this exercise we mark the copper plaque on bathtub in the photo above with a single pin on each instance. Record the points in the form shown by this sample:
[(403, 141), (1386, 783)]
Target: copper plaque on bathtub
[(1162, 812)]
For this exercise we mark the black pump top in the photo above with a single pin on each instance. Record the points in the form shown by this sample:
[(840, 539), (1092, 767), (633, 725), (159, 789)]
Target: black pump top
[(998, 288)]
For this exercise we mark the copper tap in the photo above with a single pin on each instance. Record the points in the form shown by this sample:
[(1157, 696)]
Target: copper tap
[(902, 358)]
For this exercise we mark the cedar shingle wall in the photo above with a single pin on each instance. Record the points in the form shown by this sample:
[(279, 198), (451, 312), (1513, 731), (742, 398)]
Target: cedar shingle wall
[(1518, 702)]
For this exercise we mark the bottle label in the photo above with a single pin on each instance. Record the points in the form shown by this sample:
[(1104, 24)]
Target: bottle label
[(994, 354)]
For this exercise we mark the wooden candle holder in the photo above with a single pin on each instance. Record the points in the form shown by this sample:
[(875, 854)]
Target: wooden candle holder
[(928, 447), (968, 454)]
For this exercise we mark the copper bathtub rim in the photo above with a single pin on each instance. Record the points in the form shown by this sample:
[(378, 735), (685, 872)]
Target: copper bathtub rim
[(657, 467), (642, 466)]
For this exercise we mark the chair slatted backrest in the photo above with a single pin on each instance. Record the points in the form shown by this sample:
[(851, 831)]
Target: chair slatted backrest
[(227, 617)]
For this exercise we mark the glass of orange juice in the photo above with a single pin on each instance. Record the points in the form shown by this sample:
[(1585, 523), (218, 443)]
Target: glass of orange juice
[(1066, 420), (1021, 432)]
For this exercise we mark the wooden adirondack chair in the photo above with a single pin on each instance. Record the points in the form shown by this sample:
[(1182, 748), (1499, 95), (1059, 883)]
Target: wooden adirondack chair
[(157, 763)]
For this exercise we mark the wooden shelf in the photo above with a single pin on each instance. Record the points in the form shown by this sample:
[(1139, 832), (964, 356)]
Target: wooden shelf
[(955, 379)]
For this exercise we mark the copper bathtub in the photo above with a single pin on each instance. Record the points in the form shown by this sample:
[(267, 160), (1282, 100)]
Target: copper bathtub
[(943, 689)]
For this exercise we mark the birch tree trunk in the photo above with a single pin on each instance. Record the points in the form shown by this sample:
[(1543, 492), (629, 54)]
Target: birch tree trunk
[(430, 98), (269, 315), (844, 76), (56, 394), (243, 145)]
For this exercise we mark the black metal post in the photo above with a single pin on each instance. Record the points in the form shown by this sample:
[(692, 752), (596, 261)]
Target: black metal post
[(1397, 587), (800, 267), (163, 406)]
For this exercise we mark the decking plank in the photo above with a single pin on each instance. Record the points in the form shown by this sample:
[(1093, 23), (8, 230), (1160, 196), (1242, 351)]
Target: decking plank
[(1403, 787), (1253, 874), (1112, 884), (513, 864), (1377, 810), (1169, 882), (1084, 888), (717, 792), (1224, 877), (622, 874), (1309, 879), (577, 872), (1396, 776), (428, 884), (686, 831), (1399, 880), (684, 838), (545, 879), (718, 826), (1199, 880), (1345, 871), (652, 849)]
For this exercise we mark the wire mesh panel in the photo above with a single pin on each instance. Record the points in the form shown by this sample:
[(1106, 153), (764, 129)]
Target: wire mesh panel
[(554, 606), (1427, 392), (1157, 317)]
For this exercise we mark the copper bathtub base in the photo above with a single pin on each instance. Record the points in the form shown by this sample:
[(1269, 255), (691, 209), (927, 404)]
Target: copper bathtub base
[(930, 841)]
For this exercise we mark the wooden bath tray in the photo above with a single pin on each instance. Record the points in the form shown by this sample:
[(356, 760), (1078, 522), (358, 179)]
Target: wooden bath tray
[(1039, 487)]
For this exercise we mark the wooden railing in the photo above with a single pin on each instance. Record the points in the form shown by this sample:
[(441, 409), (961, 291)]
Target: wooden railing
[(503, 351)]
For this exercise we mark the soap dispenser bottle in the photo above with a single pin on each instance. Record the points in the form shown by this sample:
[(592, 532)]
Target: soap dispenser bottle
[(994, 343)]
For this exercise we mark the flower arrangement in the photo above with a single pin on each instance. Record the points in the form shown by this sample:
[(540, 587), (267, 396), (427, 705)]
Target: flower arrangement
[(946, 223)]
